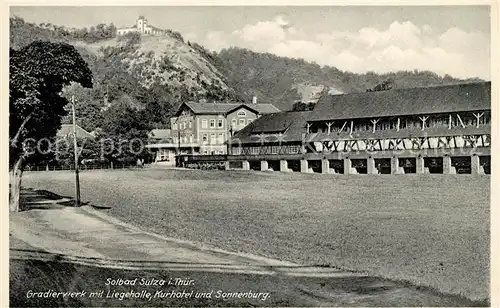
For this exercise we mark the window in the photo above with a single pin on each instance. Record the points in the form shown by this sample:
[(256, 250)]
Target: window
[(220, 123), (242, 121), (212, 138), (249, 121), (221, 138), (204, 124), (190, 124), (212, 123), (294, 149), (204, 138), (241, 113), (174, 126), (190, 138), (234, 122)]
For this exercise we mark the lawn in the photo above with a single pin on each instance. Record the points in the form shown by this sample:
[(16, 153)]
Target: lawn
[(430, 230)]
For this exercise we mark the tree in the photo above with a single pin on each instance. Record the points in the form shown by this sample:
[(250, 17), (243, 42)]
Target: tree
[(37, 75), (124, 134), (384, 86)]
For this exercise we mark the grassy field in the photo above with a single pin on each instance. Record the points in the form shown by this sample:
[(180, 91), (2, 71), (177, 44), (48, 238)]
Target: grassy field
[(430, 230)]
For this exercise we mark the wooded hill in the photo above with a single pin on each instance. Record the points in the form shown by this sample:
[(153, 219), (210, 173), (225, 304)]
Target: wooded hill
[(154, 74)]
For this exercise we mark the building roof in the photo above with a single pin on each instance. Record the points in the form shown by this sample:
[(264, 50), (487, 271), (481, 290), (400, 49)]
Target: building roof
[(67, 130), (160, 134), (291, 126), (170, 145), (399, 102), (404, 133), (223, 108)]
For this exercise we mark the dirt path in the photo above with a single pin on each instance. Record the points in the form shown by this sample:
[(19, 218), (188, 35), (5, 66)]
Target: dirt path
[(78, 249)]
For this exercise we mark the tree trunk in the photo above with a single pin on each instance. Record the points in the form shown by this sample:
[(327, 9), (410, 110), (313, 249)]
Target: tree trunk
[(15, 185)]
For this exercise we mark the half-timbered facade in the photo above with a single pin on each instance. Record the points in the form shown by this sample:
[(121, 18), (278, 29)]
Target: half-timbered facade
[(443, 129)]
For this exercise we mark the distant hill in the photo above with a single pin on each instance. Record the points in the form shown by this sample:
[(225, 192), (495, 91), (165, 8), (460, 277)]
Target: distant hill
[(280, 80), (158, 73), (133, 69)]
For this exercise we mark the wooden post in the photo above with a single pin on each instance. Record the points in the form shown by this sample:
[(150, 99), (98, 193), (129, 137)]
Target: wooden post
[(423, 119), (325, 166), (347, 165), (449, 122), (478, 116), (352, 127), (304, 166), (371, 169), (77, 177), (308, 126), (329, 124), (374, 122), (345, 123), (398, 124), (447, 168), (394, 165), (475, 165), (264, 166), (283, 166), (461, 122), (245, 165), (419, 165)]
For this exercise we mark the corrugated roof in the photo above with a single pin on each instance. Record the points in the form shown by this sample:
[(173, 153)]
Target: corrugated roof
[(290, 124), (442, 99), (222, 108), (67, 130)]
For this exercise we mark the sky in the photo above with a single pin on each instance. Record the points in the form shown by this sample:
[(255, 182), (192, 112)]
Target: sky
[(452, 40)]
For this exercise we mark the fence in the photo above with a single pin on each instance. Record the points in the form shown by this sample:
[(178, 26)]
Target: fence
[(82, 167)]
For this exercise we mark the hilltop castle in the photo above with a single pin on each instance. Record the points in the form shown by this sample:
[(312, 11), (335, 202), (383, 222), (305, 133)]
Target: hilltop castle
[(142, 27)]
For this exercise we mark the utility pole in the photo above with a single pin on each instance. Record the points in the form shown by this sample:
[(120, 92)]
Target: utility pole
[(229, 145), (77, 177)]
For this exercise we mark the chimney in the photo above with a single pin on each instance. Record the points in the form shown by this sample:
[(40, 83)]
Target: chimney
[(254, 100)]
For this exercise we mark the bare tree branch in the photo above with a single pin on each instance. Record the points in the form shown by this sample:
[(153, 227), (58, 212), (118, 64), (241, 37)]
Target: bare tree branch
[(14, 140)]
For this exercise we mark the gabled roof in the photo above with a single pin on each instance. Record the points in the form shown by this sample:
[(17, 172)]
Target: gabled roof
[(291, 126), (67, 130), (224, 108), (257, 108), (399, 102)]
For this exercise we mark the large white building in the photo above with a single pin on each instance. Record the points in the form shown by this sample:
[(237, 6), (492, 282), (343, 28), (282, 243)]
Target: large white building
[(142, 27)]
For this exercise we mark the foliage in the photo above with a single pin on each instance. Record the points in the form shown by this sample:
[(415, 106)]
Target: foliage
[(159, 83), (88, 110), (130, 39), (384, 86), (300, 106), (273, 78), (62, 152), (38, 73), (124, 134), (23, 33)]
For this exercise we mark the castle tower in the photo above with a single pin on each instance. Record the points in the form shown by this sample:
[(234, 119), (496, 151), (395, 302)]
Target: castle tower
[(141, 24)]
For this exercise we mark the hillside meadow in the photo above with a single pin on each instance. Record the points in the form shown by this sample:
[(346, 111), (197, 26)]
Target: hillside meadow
[(429, 230)]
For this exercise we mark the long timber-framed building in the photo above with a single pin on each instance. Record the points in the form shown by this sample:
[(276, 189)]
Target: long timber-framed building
[(442, 129)]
